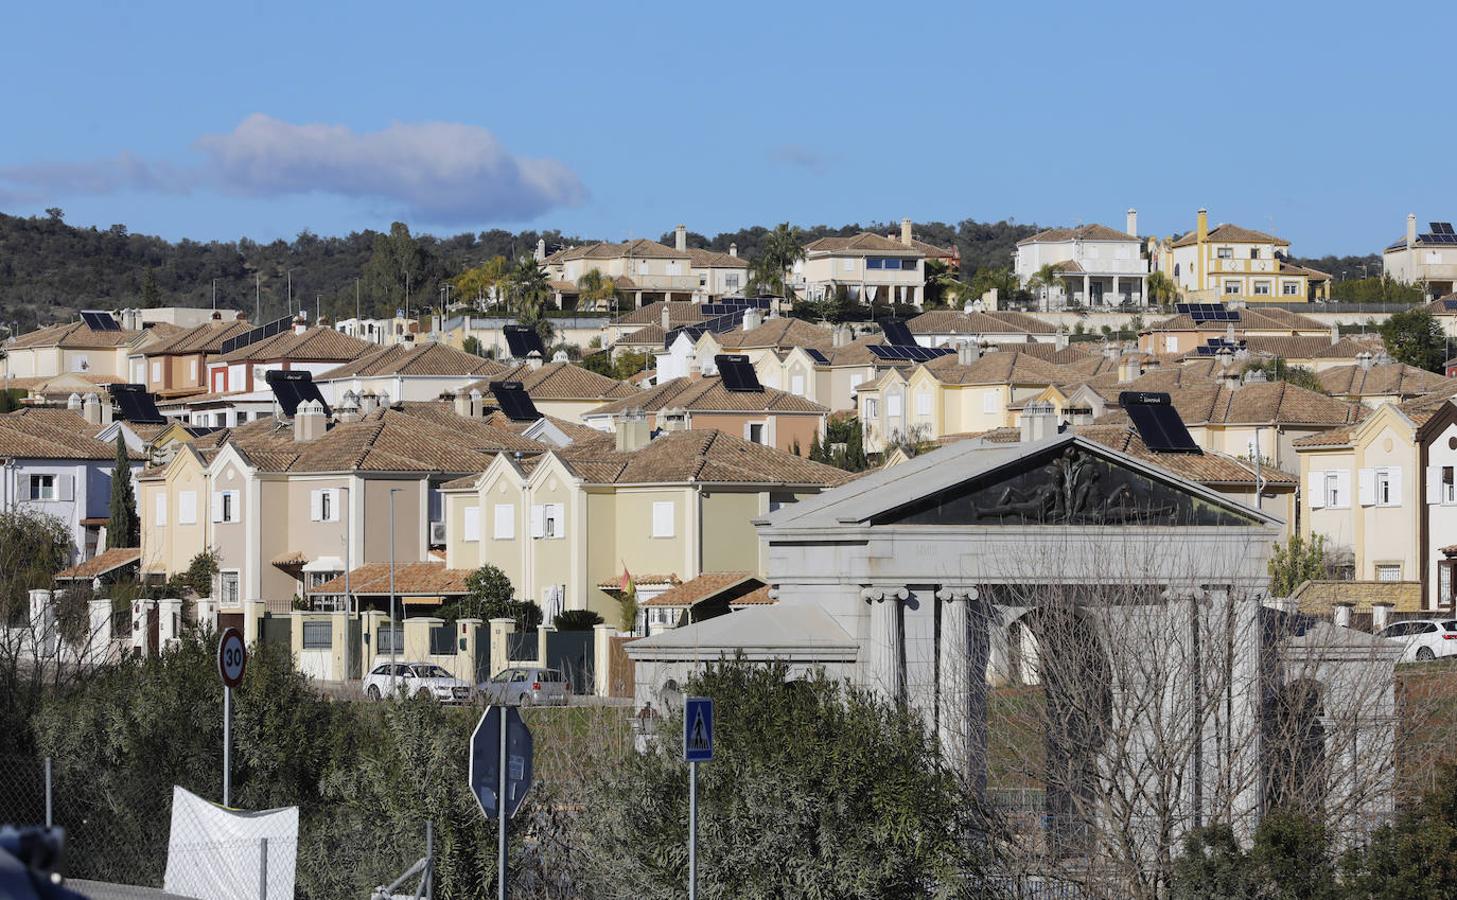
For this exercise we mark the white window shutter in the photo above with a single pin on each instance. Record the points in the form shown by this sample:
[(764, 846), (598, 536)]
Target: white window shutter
[(538, 520), (1315, 488), (159, 507), (989, 402), (796, 385), (505, 524), (217, 506), (66, 487), (1366, 479), (1434, 484), (187, 508), (1343, 488), (663, 519), (472, 523), (1393, 476), (336, 511), (556, 510), (316, 506)]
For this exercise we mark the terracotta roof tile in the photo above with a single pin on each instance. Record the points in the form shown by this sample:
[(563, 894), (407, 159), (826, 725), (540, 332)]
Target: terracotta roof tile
[(430, 358), (751, 591), (314, 345), (1389, 379), (680, 312), (1232, 234), (101, 564), (205, 338), (410, 578), (779, 333), (701, 455), (864, 242), (950, 321), (72, 336), (707, 394), (558, 381), (1093, 232)]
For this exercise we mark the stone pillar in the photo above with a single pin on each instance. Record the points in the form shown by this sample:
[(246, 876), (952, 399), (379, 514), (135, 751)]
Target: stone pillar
[(500, 644), (883, 671), (1117, 282), (43, 631), (98, 635), (961, 713), (1380, 615), (1087, 290), (254, 611), (465, 651), (169, 621), (205, 611), (602, 660), (1341, 614), (141, 626), (541, 637)]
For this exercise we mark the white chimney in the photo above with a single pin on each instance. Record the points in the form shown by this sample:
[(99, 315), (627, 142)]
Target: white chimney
[(1335, 333), (1132, 227), (1037, 422), (461, 401), (1059, 340), (91, 409), (1128, 369), (540, 249), (680, 239), (906, 232), (666, 316), (1363, 359), (632, 431), (349, 407), (968, 352), (368, 403), (1341, 614), (1411, 230), (734, 250), (753, 318), (476, 406), (308, 421), (73, 402), (1380, 615), (840, 335), (384, 399), (300, 324), (533, 360)]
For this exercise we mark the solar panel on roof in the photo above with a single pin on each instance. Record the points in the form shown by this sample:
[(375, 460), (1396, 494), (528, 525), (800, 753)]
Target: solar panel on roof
[(817, 356), (136, 405), (737, 374), (292, 387), (1157, 422), (523, 340), (100, 321), (896, 332), (511, 396), (254, 335)]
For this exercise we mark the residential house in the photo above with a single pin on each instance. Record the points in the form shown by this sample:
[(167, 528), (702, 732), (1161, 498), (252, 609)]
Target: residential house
[(51, 463), (702, 598), (1187, 331), (1382, 494), (646, 271), (288, 505), (406, 371), (1098, 265), (84, 349), (644, 329), (559, 388), (689, 349), (381, 332), (664, 509), (1378, 383), (762, 415), (870, 268), (1229, 263), (178, 366), (946, 327), (1428, 259)]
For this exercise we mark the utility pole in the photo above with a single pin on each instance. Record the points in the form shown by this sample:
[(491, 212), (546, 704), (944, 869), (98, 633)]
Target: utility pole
[(257, 297), (214, 293), (394, 635), (290, 292), (356, 297)]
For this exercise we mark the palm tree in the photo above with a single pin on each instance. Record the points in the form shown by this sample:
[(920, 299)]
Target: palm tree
[(594, 288), (778, 253), (529, 289), (1161, 288), (1046, 279)]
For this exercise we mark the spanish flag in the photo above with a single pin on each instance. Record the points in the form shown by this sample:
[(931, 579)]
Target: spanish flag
[(625, 583)]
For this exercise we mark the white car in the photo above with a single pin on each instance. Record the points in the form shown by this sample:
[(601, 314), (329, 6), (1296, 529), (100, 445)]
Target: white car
[(1425, 639), (415, 679)]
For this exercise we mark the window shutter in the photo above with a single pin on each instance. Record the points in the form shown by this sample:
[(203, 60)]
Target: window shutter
[(335, 511), (538, 520), (1434, 484), (796, 384), (505, 525), (989, 401), (217, 506), (923, 402), (663, 519), (472, 523), (160, 510), (1393, 475), (1343, 489), (187, 508), (66, 487), (316, 506), (557, 510), (1315, 488), (1367, 486)]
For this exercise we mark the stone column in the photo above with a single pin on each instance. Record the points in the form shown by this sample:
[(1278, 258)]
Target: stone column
[(883, 661), (961, 713), (1087, 290), (1116, 296)]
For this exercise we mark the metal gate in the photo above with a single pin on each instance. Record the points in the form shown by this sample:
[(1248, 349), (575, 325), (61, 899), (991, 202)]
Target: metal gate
[(276, 632), (572, 652)]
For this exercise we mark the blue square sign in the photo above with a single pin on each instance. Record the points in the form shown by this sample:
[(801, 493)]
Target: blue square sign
[(698, 729)]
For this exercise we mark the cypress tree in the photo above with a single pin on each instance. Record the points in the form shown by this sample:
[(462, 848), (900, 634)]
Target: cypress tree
[(121, 531)]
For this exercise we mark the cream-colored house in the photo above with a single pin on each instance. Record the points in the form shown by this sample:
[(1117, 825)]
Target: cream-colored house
[(99, 355), (871, 268), (1375, 384), (406, 371), (1228, 263), (1383, 493), (647, 271), (1428, 259), (559, 389), (564, 523)]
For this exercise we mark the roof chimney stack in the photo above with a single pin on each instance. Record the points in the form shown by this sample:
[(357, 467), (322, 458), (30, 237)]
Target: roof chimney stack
[(1335, 333), (1201, 231), (1364, 358), (91, 409), (734, 250), (533, 360), (1411, 230), (308, 421), (967, 352), (680, 239), (667, 317), (368, 403), (753, 318), (540, 253), (1037, 422), (1132, 227), (73, 403), (840, 335), (632, 431), (1128, 368), (348, 408), (906, 232)]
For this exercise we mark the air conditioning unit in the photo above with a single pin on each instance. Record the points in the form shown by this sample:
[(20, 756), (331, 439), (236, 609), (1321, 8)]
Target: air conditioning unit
[(437, 533)]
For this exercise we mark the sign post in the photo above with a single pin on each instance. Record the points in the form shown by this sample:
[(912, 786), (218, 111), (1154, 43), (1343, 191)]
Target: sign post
[(697, 748), (501, 752), (232, 661)]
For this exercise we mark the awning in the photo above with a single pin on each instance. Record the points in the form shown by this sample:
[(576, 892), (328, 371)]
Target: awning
[(325, 564)]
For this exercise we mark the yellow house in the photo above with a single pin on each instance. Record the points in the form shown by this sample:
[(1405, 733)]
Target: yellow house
[(1383, 494), (575, 518), (1228, 263)]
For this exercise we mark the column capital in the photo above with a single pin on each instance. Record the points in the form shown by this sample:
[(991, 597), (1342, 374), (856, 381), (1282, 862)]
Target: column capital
[(954, 593), (876, 593)]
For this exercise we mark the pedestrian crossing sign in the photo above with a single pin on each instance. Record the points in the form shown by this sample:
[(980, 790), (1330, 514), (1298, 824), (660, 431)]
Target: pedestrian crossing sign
[(698, 729)]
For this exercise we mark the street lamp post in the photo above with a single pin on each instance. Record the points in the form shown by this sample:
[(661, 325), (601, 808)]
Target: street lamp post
[(394, 636)]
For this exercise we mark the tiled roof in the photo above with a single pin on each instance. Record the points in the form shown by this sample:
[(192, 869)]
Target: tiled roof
[(1342, 436), (711, 259), (615, 584), (950, 321), (1250, 319), (750, 590), (426, 578), (574, 430), (864, 242), (1395, 379), (558, 381), (1313, 274), (1432, 399), (25, 435), (1207, 468), (1000, 367), (1232, 234), (700, 455), (1293, 347), (205, 338), (634, 249), (707, 394), (1081, 233), (314, 345), (680, 312), (779, 333), (72, 336), (101, 564), (1274, 402), (430, 358), (932, 251)]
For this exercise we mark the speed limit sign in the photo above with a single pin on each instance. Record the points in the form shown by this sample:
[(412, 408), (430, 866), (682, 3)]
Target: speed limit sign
[(232, 657)]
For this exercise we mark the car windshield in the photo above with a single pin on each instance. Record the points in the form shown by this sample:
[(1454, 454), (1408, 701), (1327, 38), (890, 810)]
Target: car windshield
[(504, 675), (431, 672)]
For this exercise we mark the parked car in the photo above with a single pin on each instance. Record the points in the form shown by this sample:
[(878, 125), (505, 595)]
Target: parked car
[(415, 679), (526, 687), (1424, 638)]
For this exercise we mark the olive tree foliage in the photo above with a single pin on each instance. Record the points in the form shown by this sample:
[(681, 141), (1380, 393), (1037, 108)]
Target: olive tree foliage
[(816, 789), (1295, 562), (33, 548), (492, 596)]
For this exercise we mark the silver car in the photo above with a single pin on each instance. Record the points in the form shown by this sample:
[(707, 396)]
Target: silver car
[(413, 679), (526, 687)]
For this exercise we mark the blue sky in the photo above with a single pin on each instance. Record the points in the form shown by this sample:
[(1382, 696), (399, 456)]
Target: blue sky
[(620, 120)]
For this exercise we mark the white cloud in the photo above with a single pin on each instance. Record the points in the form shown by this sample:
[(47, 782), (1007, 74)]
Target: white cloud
[(438, 172)]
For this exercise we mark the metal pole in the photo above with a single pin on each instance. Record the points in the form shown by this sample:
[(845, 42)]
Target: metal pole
[(394, 636), (348, 534), (227, 746), (50, 819), (692, 831), (501, 814), (257, 298), (263, 869), (429, 859)]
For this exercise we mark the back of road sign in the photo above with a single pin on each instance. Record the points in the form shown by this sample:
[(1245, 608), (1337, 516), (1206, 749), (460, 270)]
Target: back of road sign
[(697, 729), (485, 759)]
